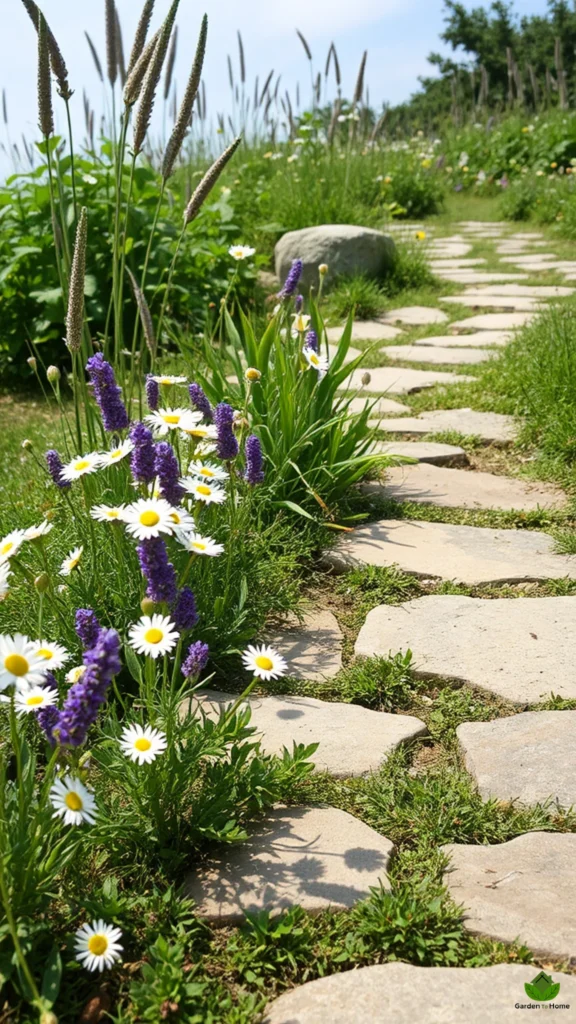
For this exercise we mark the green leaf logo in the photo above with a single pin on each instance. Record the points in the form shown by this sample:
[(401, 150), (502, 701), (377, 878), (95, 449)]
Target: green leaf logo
[(541, 989)]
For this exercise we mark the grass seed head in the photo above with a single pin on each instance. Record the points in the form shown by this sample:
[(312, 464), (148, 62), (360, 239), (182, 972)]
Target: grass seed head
[(45, 112), (151, 79), (209, 180), (141, 34), (185, 113), (75, 313)]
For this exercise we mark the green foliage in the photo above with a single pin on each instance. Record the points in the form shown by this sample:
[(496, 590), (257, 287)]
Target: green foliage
[(385, 684), (362, 297), (272, 945), (165, 988)]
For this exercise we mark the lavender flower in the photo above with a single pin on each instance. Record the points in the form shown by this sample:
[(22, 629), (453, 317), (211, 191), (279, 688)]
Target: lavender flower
[(84, 698), (227, 443), (184, 613), (168, 472), (55, 467), (152, 393), (107, 393), (196, 660), (159, 572), (254, 473), (299, 304), (87, 627), (47, 718), (199, 399), (144, 453), (292, 280), (312, 341)]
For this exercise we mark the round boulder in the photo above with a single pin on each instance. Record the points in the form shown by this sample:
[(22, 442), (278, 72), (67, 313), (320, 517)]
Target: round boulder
[(346, 248)]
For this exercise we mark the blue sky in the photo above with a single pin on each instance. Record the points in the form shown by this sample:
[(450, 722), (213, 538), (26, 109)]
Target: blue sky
[(398, 35)]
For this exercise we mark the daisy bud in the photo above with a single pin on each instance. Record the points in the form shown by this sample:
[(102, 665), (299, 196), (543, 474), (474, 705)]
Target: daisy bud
[(27, 445), (323, 269), (32, 362), (42, 582), (49, 1018), (148, 606), (53, 374), (366, 378), (252, 375)]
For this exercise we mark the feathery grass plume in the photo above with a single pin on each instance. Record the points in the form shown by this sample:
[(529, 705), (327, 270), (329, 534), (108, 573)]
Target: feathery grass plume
[(111, 42), (379, 125), (75, 313), (95, 57), (360, 80), (334, 120), (337, 71), (145, 315), (171, 62), (307, 49), (45, 113), (318, 88), (56, 59), (151, 79), (230, 72), (265, 87), (136, 76), (185, 113), (209, 180), (204, 103), (141, 34), (4, 107), (242, 59), (120, 50)]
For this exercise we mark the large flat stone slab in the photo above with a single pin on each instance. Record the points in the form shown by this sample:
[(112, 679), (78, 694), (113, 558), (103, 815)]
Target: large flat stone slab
[(542, 291), (453, 263), (399, 993), (351, 354), (365, 330), (312, 648), (415, 316), (521, 890), (465, 554), (529, 757), (353, 740), (380, 406), (424, 451), (521, 649), (317, 857), (490, 426), (478, 277), (492, 322), (450, 249), (529, 259), (402, 380), (457, 488), (479, 339), (509, 303), (432, 354)]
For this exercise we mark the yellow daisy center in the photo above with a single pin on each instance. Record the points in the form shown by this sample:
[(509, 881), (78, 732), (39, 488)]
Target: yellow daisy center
[(199, 545), (264, 663), (150, 518), (73, 563), (165, 380), (34, 701), (16, 664), (171, 419), (175, 518), (153, 636), (196, 432), (73, 802), (6, 547), (142, 744), (116, 454), (314, 359), (82, 464), (113, 513), (206, 472), (45, 653), (97, 944), (202, 489)]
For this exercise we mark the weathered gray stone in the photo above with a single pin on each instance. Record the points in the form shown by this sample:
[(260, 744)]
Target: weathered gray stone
[(353, 740), (542, 291), (490, 426), (532, 236), (527, 259), (477, 340), (317, 857), (424, 451), (457, 488), (492, 322), (521, 650), (432, 354), (346, 248), (365, 330), (312, 648), (529, 757), (351, 354), (465, 554), (509, 303), (450, 249), (522, 890), (399, 993), (415, 316), (453, 263), (400, 380), (380, 406)]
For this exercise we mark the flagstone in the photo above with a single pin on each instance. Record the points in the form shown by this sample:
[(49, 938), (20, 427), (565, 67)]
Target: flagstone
[(424, 451), (457, 488), (492, 322), (351, 354), (456, 264), (544, 291), (402, 993), (478, 277), (452, 249), (523, 890), (527, 235), (432, 354), (314, 857), (465, 554), (380, 406), (415, 316), (529, 259), (365, 330), (490, 426), (477, 340), (352, 740), (529, 757), (481, 300), (312, 647), (402, 380)]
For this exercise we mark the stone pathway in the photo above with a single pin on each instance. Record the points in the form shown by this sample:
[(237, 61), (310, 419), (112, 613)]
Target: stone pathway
[(312, 648), (489, 426), (479, 339), (438, 355), (424, 451), (400, 381)]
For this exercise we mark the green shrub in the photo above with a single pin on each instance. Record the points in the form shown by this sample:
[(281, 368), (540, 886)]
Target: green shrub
[(357, 295)]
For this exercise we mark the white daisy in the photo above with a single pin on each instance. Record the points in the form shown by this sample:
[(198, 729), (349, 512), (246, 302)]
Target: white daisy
[(97, 945), (4, 576), (34, 699), (115, 455), (301, 322), (19, 662), (75, 674), (199, 545), (202, 491), (107, 513), (183, 521), (72, 562), (207, 470), (315, 361), (80, 465), (205, 448), (34, 532), (54, 655), (148, 517), (167, 380), (264, 662), (201, 432), (164, 420), (142, 745), (11, 544), (153, 635), (241, 252), (72, 801)]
